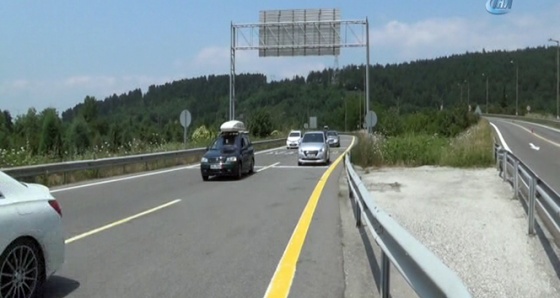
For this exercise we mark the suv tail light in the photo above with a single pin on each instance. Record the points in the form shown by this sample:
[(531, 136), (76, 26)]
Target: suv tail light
[(56, 206)]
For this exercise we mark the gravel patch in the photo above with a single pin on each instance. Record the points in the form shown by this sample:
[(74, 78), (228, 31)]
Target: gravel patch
[(469, 219)]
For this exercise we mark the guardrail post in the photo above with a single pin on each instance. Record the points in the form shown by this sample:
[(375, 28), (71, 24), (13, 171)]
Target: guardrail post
[(384, 276), (504, 165), (497, 159), (516, 181), (358, 211), (532, 200)]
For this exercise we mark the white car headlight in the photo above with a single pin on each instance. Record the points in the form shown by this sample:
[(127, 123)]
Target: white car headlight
[(204, 159), (231, 159)]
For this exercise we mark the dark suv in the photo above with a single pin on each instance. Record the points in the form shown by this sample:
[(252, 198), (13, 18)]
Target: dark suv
[(232, 154)]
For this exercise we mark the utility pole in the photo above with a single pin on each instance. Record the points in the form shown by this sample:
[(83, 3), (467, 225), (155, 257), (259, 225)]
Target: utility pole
[(557, 76), (486, 76), (345, 114)]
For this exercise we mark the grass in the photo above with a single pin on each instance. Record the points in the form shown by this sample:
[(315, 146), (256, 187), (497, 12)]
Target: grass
[(472, 148), (16, 157), (77, 176)]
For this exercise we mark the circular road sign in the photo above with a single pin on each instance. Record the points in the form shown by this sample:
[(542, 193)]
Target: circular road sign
[(371, 118), (185, 118)]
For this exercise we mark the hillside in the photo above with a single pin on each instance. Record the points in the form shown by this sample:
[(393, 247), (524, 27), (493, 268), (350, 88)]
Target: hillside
[(152, 115)]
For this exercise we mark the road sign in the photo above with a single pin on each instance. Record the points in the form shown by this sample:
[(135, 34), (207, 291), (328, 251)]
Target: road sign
[(371, 119), (185, 118), (305, 125), (313, 122)]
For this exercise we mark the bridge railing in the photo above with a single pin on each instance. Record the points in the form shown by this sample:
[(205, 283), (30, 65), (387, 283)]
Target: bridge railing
[(539, 198), (426, 274)]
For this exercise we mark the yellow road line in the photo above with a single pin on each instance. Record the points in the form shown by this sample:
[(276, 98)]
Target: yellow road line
[(119, 222), (536, 135), (285, 271)]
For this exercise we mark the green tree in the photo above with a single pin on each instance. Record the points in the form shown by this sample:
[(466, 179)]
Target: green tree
[(260, 124), (79, 136), (51, 133)]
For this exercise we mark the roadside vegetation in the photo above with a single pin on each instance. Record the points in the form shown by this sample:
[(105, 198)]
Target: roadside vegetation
[(444, 138), (142, 121), (43, 138)]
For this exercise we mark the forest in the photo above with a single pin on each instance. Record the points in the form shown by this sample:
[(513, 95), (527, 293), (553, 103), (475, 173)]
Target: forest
[(147, 118)]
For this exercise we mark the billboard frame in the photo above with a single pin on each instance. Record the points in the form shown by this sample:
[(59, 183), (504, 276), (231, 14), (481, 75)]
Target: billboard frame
[(343, 32)]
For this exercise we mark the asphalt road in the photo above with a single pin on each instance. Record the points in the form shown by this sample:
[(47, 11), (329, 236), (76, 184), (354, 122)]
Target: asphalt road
[(536, 145), (220, 238)]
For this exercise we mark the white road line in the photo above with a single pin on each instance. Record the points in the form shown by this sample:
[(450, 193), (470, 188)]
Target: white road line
[(536, 134), (504, 144), (119, 222), (541, 125), (301, 167), (268, 167), (143, 175)]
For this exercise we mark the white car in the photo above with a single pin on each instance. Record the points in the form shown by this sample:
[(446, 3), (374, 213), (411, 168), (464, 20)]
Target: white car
[(31, 237), (294, 138)]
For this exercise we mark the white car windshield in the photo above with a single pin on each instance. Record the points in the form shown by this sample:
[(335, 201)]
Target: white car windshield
[(313, 138), (294, 134)]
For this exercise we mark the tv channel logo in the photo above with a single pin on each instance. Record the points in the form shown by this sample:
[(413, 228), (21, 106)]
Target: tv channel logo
[(498, 7)]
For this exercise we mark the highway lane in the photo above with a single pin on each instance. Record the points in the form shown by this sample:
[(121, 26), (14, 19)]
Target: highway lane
[(223, 239), (545, 161)]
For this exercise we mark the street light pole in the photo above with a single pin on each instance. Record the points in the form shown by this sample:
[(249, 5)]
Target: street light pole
[(557, 76), (516, 87), (469, 95), (345, 114), (484, 75)]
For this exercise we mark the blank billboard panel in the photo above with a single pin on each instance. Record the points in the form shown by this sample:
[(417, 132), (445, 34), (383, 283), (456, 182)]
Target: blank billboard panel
[(300, 32)]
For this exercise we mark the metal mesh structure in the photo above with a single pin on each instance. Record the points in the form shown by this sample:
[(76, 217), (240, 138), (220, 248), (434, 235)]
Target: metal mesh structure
[(298, 32)]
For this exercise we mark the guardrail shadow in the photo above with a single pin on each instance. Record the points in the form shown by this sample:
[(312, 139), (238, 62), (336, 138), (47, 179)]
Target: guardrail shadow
[(548, 246), (59, 287), (370, 252)]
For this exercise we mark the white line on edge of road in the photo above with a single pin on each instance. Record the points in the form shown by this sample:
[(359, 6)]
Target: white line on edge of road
[(501, 137), (268, 167), (143, 175)]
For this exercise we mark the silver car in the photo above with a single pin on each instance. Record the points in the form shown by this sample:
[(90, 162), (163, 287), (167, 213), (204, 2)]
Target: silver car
[(333, 138), (314, 149)]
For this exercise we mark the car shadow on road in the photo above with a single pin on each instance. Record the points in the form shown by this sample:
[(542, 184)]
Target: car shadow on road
[(59, 287), (228, 178)]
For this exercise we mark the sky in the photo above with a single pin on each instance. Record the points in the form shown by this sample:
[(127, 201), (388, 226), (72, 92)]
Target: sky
[(55, 53)]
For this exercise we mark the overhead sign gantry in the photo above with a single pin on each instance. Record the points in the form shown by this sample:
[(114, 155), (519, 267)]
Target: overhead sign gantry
[(298, 32)]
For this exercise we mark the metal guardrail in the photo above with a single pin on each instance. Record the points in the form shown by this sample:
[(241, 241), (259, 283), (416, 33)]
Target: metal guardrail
[(536, 193), (427, 275), (83, 165), (550, 122)]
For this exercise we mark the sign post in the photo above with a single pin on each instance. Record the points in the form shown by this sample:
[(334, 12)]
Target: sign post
[(185, 119), (371, 120)]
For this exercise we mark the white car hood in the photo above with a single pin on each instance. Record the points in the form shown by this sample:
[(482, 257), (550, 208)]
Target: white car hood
[(293, 139)]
